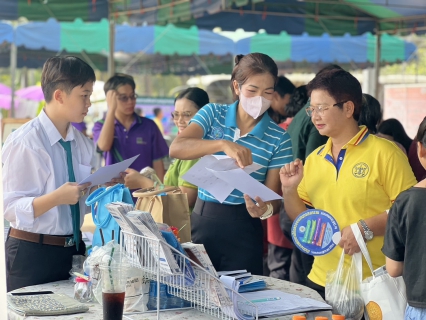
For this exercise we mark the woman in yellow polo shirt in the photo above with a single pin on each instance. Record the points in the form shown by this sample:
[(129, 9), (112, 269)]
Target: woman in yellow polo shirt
[(355, 176), (187, 104)]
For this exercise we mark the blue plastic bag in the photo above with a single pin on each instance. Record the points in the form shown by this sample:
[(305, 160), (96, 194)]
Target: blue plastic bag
[(101, 216)]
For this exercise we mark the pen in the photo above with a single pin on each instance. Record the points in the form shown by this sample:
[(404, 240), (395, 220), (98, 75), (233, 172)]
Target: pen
[(319, 243), (266, 299), (308, 228), (317, 231), (313, 227)]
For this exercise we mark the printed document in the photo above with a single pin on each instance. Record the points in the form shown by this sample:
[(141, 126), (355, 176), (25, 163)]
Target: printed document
[(220, 174), (105, 174)]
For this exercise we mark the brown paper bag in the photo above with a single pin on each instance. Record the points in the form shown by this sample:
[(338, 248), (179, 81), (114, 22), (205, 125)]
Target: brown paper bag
[(171, 209)]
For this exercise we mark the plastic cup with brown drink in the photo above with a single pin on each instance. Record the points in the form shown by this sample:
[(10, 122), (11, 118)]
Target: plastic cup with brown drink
[(113, 291)]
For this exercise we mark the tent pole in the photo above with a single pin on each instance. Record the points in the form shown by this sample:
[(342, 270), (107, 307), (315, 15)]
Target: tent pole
[(377, 63), (13, 64), (111, 62)]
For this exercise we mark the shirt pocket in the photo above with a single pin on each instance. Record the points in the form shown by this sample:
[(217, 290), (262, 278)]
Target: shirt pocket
[(83, 171)]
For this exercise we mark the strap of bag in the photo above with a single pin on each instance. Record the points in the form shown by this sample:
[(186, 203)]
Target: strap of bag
[(101, 192), (363, 247), (151, 192)]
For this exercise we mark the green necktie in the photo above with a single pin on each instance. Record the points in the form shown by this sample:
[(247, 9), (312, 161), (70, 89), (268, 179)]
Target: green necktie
[(75, 208)]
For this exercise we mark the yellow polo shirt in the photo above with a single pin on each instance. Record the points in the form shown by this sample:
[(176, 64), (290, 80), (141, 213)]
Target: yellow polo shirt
[(368, 176)]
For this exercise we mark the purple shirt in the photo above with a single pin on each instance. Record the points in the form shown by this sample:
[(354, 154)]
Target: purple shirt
[(79, 126), (143, 138)]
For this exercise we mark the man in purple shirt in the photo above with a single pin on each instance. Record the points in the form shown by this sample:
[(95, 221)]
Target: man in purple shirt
[(123, 134)]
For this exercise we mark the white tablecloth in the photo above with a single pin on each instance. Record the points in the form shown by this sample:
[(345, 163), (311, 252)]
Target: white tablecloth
[(95, 309)]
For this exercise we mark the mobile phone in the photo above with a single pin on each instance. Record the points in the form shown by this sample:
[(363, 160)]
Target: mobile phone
[(30, 293)]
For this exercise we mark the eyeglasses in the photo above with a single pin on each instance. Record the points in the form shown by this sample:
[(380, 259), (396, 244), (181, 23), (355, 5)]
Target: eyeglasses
[(185, 115), (320, 109), (126, 98)]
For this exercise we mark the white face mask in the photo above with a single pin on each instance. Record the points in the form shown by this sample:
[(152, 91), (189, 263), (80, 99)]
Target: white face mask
[(254, 106)]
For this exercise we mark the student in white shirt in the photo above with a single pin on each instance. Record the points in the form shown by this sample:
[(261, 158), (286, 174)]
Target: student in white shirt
[(38, 195)]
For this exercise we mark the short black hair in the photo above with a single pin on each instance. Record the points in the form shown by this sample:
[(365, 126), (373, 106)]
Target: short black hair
[(341, 85), (330, 67), (65, 73), (297, 101), (197, 95), (371, 113), (395, 129), (118, 80), (157, 111), (421, 133), (284, 86)]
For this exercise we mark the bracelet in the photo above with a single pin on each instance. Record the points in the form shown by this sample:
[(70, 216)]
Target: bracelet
[(269, 212)]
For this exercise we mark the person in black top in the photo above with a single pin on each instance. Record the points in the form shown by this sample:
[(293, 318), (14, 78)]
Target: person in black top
[(405, 237)]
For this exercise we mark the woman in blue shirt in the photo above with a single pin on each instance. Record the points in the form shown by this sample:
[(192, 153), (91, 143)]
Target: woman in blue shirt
[(231, 231)]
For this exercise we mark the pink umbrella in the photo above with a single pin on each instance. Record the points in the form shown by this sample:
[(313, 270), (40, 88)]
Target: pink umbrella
[(5, 89), (31, 93), (6, 100)]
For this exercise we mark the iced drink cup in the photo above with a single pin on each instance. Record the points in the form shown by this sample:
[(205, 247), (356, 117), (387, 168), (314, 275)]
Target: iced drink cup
[(113, 291)]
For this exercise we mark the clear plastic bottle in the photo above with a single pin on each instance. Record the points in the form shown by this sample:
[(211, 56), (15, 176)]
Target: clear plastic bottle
[(83, 290)]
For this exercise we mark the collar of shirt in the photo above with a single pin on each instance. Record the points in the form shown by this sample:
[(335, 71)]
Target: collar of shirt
[(52, 132), (258, 130), (356, 140), (136, 120)]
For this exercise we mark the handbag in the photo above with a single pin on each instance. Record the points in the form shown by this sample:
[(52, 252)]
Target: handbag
[(168, 206), (384, 296), (101, 216)]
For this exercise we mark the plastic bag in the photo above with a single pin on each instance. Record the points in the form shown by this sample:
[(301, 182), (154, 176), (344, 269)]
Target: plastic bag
[(137, 286), (342, 289)]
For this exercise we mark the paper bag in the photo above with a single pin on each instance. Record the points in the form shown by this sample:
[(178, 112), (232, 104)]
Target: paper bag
[(384, 297), (168, 206)]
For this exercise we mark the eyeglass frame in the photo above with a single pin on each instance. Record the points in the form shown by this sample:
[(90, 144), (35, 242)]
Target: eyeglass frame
[(184, 116), (124, 98), (311, 109)]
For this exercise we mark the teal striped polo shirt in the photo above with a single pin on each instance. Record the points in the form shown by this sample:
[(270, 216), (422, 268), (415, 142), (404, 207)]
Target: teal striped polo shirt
[(270, 145)]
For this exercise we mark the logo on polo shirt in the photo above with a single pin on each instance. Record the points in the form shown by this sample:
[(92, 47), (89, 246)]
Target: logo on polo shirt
[(217, 133), (139, 140), (360, 170)]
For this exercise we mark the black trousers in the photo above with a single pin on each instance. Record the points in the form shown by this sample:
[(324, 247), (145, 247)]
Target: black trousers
[(29, 263), (279, 261), (232, 238)]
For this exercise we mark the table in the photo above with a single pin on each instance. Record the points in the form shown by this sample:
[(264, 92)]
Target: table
[(95, 309)]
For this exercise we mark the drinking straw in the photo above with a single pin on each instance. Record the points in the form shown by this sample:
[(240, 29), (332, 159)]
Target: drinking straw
[(102, 237)]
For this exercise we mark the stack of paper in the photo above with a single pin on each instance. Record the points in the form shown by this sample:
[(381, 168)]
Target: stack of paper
[(246, 281), (272, 303), (215, 290), (141, 223)]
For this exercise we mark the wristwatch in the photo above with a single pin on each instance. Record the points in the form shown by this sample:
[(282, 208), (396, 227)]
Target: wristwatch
[(368, 234)]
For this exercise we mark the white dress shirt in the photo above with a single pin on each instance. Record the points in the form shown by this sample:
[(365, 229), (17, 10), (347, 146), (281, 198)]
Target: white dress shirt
[(34, 164)]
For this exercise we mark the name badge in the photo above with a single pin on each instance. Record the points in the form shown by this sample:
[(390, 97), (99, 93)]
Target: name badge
[(139, 140)]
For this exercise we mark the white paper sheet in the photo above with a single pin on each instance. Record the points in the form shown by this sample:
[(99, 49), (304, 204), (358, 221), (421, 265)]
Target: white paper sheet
[(105, 174), (240, 180), (200, 176)]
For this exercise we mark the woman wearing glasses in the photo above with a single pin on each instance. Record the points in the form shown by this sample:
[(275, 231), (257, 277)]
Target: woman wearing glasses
[(123, 134), (187, 104), (231, 231), (355, 176)]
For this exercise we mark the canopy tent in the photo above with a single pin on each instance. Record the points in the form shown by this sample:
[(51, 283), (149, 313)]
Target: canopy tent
[(93, 38), (87, 10), (346, 49), (315, 17)]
